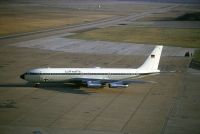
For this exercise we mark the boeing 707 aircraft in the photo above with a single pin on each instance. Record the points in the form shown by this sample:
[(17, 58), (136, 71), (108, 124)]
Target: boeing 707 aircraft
[(95, 77)]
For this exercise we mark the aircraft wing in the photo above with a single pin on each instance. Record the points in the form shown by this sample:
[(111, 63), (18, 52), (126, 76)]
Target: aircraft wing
[(101, 82)]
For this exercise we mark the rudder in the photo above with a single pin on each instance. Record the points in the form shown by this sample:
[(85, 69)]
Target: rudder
[(152, 62)]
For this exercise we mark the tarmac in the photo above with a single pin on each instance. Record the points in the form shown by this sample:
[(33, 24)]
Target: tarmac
[(170, 105), (65, 44), (167, 106)]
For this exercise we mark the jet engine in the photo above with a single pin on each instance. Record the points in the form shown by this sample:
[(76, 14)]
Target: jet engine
[(93, 84), (117, 85)]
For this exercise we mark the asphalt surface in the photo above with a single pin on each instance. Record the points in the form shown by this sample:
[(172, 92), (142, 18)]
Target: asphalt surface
[(170, 105), (166, 106), (64, 44)]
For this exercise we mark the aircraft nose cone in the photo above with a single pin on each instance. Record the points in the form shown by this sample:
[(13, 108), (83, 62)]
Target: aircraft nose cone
[(22, 76)]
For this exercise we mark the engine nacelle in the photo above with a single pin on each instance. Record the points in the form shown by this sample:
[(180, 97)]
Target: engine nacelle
[(116, 85), (91, 84)]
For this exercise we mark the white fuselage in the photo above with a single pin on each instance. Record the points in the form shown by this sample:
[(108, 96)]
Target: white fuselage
[(95, 77), (66, 74)]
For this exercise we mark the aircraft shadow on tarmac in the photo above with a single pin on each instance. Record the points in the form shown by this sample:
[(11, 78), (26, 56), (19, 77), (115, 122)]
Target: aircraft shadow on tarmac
[(65, 88)]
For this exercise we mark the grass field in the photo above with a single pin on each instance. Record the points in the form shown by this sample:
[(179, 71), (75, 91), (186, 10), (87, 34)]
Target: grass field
[(190, 17), (197, 55), (148, 35), (172, 14), (16, 17), (16, 20)]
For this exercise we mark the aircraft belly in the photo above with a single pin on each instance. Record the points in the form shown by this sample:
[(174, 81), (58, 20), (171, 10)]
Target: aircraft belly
[(46, 78), (58, 78), (65, 78), (114, 77), (118, 77), (33, 78), (90, 76)]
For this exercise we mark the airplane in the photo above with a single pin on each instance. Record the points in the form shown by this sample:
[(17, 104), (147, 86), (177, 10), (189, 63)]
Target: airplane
[(96, 77)]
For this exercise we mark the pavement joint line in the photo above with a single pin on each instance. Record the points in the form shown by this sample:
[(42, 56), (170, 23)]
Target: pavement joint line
[(109, 103), (21, 117), (137, 108), (21, 96), (174, 103), (7, 90), (67, 111), (36, 109), (117, 59)]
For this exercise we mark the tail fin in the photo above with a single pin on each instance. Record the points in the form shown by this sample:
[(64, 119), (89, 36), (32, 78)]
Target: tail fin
[(152, 62)]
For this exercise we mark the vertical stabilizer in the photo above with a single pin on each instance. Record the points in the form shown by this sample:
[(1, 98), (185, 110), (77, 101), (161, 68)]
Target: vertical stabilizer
[(152, 62)]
